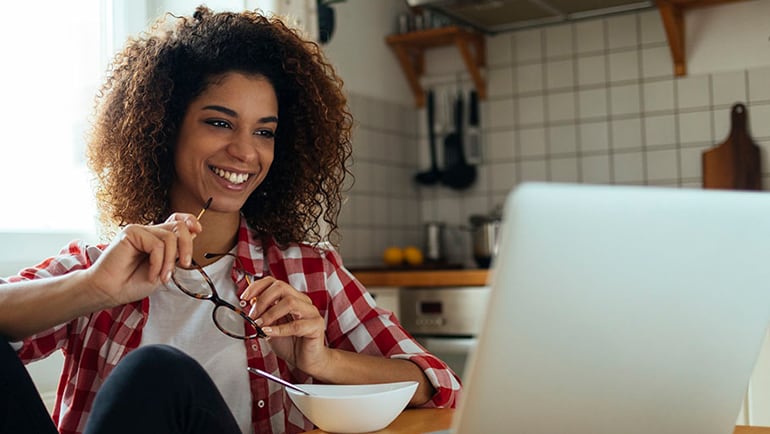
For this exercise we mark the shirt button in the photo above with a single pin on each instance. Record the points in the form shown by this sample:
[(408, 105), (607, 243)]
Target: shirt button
[(254, 347), (242, 303), (261, 403)]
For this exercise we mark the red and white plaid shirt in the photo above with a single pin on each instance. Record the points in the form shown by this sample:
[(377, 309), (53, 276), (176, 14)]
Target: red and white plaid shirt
[(94, 344)]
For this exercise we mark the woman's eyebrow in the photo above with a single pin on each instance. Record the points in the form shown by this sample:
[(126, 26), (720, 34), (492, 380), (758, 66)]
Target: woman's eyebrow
[(233, 113)]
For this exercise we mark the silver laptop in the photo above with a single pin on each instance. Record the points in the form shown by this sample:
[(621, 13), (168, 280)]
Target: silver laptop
[(634, 310)]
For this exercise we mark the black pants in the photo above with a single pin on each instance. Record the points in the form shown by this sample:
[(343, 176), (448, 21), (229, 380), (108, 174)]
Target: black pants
[(155, 389)]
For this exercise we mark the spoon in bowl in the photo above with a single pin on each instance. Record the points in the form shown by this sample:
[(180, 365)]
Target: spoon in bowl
[(278, 380)]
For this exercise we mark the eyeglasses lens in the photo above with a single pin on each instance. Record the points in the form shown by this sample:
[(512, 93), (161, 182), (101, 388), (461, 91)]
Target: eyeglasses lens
[(191, 282)]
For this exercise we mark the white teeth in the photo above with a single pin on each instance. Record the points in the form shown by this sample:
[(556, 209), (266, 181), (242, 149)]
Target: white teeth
[(233, 178)]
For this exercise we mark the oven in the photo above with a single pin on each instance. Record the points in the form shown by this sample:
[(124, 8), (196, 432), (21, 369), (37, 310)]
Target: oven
[(447, 321)]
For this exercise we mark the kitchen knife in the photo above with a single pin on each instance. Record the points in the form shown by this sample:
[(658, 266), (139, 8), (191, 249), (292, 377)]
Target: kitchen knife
[(473, 141)]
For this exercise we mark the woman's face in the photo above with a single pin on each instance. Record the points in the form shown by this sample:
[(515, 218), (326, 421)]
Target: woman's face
[(226, 143)]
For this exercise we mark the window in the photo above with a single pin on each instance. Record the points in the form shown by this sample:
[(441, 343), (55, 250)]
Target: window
[(54, 57)]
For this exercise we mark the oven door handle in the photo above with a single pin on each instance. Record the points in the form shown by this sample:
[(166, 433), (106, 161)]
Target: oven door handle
[(450, 345)]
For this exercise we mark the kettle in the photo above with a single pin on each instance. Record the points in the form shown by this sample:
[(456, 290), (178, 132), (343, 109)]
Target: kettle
[(485, 231)]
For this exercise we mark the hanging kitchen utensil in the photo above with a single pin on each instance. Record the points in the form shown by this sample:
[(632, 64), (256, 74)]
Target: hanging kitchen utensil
[(734, 164), (458, 174), (473, 142), (433, 175)]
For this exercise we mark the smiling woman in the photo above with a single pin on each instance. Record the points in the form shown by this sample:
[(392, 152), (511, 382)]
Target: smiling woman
[(58, 57)]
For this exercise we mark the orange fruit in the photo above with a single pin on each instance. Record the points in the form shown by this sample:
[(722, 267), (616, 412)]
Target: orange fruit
[(413, 255), (393, 256)]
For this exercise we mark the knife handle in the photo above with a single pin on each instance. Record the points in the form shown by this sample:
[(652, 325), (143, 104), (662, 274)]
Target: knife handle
[(473, 116)]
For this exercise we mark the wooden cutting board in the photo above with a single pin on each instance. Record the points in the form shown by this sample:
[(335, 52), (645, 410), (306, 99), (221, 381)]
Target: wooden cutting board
[(734, 164)]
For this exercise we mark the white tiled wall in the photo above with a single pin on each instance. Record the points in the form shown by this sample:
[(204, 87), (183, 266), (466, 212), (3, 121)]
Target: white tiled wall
[(591, 101)]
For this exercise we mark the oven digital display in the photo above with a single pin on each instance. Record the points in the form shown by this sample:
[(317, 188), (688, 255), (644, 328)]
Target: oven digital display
[(431, 307)]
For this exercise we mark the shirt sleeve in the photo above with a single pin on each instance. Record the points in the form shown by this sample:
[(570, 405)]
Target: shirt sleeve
[(355, 323), (74, 256)]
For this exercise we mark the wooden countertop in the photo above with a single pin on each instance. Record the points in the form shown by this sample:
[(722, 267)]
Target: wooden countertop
[(422, 278), (420, 421)]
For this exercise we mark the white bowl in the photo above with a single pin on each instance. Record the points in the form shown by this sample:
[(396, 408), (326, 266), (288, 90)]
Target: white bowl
[(353, 408)]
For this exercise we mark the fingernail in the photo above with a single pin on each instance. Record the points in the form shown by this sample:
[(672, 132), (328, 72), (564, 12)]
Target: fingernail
[(258, 321), (168, 276), (267, 329), (252, 311)]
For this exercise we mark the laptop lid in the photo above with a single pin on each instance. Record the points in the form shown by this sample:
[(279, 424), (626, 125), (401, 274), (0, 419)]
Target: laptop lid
[(621, 309)]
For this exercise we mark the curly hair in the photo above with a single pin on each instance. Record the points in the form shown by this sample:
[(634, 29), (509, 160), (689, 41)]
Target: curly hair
[(153, 80)]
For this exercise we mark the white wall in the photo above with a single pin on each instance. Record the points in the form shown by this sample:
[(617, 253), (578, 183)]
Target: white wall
[(359, 52)]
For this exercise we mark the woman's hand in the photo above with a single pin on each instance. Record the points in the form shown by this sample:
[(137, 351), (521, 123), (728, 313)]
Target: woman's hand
[(142, 257), (295, 327)]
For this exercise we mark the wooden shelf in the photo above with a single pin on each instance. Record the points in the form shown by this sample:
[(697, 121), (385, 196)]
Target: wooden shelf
[(410, 50), (423, 278), (672, 14)]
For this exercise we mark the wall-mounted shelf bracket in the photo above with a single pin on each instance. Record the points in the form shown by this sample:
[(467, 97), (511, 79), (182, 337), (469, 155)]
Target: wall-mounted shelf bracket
[(410, 48)]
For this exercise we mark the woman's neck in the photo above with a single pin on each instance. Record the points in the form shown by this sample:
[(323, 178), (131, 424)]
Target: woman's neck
[(219, 235)]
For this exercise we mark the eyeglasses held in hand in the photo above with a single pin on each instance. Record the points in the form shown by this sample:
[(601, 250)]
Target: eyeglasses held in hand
[(230, 320)]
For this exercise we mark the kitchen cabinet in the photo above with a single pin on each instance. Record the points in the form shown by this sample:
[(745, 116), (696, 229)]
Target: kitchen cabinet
[(672, 13), (410, 51), (386, 297)]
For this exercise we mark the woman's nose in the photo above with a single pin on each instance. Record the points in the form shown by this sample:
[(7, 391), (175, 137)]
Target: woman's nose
[(242, 146)]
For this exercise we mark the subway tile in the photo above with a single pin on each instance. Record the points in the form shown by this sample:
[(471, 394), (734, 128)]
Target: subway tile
[(532, 142), (500, 113), (531, 110), (695, 127), (562, 139), (628, 167), (528, 45), (500, 82), (561, 106), (448, 208), (656, 62), (625, 100), (500, 145), (624, 65), (558, 40), (660, 130), (759, 84), (729, 87), (692, 161), (662, 165), (652, 31), (503, 176), (693, 92), (622, 31), (594, 136), (563, 169), (595, 169), (658, 95), (592, 69), (499, 49), (533, 170), (589, 36), (758, 120), (592, 103), (560, 74), (380, 212), (529, 78), (721, 119), (626, 133)]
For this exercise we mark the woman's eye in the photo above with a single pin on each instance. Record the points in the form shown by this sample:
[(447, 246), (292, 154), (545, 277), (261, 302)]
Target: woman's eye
[(219, 123), (268, 134)]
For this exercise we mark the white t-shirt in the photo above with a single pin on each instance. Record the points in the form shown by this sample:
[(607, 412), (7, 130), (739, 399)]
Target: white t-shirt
[(185, 322)]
